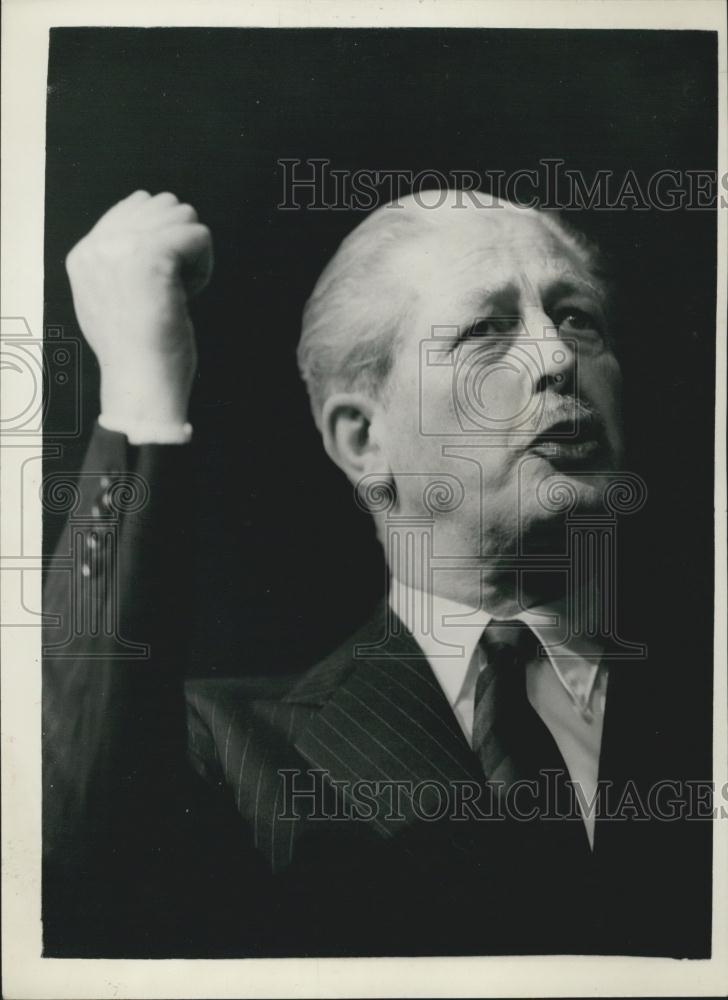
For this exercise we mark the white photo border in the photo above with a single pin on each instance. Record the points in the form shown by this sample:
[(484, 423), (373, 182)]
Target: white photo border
[(26, 25)]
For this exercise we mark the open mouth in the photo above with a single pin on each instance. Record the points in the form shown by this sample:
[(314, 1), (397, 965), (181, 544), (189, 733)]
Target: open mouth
[(569, 441)]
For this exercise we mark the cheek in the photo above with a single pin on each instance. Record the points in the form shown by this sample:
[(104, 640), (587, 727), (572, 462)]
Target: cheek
[(501, 394), (417, 415)]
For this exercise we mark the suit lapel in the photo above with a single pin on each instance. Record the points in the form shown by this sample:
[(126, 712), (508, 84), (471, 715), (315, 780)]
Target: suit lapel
[(389, 724)]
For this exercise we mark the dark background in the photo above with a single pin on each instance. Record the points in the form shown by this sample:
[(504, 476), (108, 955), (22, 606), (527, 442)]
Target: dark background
[(284, 563)]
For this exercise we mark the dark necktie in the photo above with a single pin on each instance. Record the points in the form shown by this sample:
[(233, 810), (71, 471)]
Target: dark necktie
[(509, 737)]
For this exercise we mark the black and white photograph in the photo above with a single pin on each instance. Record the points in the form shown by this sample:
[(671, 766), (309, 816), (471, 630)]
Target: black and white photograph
[(369, 403)]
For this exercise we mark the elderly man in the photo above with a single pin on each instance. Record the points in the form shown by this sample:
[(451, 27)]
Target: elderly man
[(472, 771)]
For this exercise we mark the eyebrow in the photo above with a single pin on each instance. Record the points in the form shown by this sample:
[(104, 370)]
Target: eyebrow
[(501, 297), (564, 287)]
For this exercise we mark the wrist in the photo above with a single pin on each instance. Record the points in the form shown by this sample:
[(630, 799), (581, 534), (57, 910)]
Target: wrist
[(142, 397), (148, 432)]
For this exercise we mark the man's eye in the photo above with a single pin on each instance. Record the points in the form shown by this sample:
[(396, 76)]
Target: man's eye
[(577, 321), (490, 326)]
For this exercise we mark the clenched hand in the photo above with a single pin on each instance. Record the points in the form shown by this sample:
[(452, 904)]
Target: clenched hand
[(131, 277)]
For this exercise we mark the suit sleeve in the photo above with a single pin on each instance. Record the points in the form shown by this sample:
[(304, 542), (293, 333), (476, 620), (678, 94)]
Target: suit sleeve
[(139, 857)]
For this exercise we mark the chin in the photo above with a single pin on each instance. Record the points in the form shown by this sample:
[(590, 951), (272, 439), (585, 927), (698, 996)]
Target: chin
[(589, 491), (555, 501), (557, 492)]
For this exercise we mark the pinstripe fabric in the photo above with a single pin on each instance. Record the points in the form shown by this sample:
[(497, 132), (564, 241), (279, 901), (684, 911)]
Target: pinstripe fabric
[(241, 744), (134, 847), (383, 720), (389, 722)]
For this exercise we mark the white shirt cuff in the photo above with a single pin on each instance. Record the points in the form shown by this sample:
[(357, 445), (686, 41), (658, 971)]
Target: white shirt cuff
[(149, 432)]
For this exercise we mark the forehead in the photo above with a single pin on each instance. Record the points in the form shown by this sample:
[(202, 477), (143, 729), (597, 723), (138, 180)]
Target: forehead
[(463, 259)]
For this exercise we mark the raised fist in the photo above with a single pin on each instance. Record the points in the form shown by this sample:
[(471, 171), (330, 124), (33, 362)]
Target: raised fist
[(131, 277)]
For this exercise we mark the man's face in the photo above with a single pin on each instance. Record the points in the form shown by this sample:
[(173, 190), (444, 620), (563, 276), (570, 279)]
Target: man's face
[(504, 378)]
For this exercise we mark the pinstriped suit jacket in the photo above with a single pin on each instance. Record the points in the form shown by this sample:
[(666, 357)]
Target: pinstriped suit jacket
[(215, 817), (380, 718)]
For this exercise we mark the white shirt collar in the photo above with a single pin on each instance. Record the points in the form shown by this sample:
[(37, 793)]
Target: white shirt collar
[(448, 633)]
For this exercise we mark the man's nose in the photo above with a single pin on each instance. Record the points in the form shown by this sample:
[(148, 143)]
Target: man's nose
[(557, 354)]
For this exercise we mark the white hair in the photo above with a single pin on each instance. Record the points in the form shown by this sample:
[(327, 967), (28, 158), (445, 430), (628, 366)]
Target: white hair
[(360, 302)]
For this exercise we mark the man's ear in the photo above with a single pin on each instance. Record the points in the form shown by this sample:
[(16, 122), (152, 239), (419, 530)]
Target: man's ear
[(350, 433)]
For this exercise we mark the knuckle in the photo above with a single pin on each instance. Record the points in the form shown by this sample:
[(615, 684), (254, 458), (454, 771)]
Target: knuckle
[(189, 213), (139, 195), (75, 256), (70, 261)]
